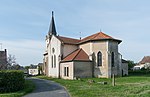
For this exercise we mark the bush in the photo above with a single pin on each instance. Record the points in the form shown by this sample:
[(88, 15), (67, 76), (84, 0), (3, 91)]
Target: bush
[(11, 80), (139, 72)]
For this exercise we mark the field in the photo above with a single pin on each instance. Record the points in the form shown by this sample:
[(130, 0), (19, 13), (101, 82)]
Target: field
[(131, 86)]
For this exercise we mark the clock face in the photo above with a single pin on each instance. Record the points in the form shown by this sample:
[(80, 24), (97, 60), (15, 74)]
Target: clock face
[(53, 50)]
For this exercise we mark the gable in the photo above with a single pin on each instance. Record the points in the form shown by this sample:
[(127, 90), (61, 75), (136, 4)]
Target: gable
[(77, 55)]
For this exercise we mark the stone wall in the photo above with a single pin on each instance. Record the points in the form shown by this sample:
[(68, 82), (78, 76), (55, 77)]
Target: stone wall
[(92, 48), (67, 49), (125, 69), (116, 69), (82, 69)]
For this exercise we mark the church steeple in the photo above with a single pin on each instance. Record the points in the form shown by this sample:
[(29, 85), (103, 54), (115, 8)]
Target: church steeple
[(52, 29)]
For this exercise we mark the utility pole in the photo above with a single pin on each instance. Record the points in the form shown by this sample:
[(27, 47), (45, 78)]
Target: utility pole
[(113, 80), (1, 46)]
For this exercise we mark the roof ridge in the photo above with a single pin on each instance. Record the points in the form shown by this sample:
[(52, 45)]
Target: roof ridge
[(77, 53), (107, 35), (69, 37), (96, 35)]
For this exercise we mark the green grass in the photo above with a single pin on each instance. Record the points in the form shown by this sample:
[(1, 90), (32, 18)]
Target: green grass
[(29, 86), (131, 86)]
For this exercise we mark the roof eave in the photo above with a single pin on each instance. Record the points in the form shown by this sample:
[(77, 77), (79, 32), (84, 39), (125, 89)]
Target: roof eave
[(119, 41), (76, 61)]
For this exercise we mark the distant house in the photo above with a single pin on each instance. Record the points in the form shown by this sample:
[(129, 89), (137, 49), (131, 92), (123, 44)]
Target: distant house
[(96, 55), (3, 60), (144, 63), (33, 70)]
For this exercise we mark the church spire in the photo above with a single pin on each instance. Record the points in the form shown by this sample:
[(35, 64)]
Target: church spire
[(52, 29)]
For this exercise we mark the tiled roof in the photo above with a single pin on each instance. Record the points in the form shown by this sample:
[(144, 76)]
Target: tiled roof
[(77, 55), (68, 40), (146, 59), (98, 36)]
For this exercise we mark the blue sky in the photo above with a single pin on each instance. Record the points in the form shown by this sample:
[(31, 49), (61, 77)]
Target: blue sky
[(25, 23)]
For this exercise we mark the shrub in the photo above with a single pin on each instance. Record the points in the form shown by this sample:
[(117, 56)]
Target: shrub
[(139, 72), (11, 80)]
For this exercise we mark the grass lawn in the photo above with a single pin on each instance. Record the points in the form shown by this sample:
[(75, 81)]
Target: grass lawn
[(131, 86), (29, 86)]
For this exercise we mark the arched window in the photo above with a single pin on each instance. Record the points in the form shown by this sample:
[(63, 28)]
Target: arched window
[(52, 61), (99, 59), (112, 59)]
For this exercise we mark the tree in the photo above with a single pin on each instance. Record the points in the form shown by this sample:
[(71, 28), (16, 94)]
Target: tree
[(11, 60), (131, 64), (27, 67)]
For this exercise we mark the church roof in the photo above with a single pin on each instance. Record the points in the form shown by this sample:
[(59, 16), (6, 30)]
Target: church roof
[(98, 36), (146, 59), (94, 37), (77, 55), (68, 40)]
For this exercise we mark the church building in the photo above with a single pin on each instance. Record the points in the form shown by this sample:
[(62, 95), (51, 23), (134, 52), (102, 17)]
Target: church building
[(93, 56)]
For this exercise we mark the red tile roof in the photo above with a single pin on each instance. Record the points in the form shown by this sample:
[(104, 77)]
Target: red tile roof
[(98, 36), (68, 40), (77, 55), (146, 59)]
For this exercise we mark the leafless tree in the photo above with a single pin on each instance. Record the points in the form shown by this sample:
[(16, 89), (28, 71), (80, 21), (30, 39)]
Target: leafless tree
[(11, 60)]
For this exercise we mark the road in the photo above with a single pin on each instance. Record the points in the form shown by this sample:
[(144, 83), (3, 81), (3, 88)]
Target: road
[(46, 88)]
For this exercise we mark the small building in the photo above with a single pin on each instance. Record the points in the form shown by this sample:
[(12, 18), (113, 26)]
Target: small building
[(3, 60), (77, 64), (144, 63), (33, 70)]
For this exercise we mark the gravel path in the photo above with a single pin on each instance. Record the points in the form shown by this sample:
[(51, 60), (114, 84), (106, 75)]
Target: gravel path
[(46, 88)]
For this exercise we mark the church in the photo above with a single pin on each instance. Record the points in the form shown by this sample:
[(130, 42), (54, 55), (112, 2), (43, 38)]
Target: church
[(93, 56)]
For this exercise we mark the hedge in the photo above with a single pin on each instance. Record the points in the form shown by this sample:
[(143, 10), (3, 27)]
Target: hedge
[(11, 80), (139, 72)]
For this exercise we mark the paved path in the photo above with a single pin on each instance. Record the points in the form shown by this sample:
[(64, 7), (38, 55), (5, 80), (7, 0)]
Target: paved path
[(46, 88)]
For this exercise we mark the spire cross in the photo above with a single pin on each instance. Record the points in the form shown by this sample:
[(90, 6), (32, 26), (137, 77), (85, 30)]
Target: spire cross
[(100, 30), (80, 35)]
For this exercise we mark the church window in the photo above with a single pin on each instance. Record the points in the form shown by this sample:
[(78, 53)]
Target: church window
[(66, 71), (112, 59), (52, 61), (99, 59)]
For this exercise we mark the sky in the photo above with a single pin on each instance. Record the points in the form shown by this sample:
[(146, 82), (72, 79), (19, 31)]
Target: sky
[(25, 23)]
